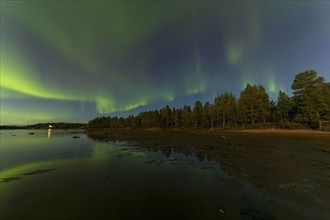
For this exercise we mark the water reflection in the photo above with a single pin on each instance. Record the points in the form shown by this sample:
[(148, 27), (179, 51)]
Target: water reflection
[(204, 155), (66, 178), (49, 134)]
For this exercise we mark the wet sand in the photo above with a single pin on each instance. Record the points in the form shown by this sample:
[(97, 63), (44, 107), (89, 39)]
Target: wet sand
[(291, 168)]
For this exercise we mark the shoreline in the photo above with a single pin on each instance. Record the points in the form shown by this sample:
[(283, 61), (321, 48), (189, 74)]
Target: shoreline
[(214, 138), (283, 130), (191, 130), (285, 165), (214, 130)]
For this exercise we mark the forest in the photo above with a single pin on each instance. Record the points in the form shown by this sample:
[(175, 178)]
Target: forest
[(53, 125), (309, 107)]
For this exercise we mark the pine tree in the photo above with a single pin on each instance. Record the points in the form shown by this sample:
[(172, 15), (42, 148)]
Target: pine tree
[(263, 106), (254, 103), (309, 93), (326, 95), (206, 115), (197, 113), (227, 109), (186, 117), (284, 106), (248, 103)]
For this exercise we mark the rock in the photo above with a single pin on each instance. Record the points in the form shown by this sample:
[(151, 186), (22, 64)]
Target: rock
[(74, 137), (222, 210), (31, 133)]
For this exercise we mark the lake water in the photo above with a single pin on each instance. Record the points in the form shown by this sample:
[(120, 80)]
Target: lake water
[(65, 175)]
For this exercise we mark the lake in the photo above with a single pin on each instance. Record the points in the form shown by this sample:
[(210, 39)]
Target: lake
[(63, 174)]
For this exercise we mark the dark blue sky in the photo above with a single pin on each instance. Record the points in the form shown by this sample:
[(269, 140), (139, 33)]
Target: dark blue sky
[(76, 60)]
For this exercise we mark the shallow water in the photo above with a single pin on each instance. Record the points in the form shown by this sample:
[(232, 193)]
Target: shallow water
[(65, 175)]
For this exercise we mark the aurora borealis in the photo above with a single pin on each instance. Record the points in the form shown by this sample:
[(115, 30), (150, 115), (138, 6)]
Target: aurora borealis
[(76, 60)]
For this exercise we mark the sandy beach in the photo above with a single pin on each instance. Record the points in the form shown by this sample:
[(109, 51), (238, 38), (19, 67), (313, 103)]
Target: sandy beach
[(290, 167)]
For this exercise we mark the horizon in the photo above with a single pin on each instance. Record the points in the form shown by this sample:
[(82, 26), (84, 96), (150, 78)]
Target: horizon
[(75, 61)]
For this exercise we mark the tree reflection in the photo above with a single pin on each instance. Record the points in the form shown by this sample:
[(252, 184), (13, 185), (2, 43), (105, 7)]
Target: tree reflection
[(201, 153)]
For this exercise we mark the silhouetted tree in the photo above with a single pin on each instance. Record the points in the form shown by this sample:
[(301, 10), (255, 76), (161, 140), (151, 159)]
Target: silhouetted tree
[(310, 102), (165, 117), (284, 106), (197, 113), (177, 117), (186, 117), (272, 111), (309, 94), (206, 115), (226, 108), (248, 102)]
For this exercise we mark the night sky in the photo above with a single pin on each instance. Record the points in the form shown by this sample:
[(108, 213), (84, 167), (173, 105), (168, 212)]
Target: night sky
[(73, 61)]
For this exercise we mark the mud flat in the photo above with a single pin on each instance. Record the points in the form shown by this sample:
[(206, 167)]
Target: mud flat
[(291, 168)]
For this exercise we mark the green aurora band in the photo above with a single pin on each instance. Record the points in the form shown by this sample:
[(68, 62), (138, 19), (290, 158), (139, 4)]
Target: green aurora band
[(117, 56)]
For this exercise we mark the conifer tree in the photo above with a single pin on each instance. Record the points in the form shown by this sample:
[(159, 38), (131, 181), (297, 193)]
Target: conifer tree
[(310, 96), (284, 106), (197, 113)]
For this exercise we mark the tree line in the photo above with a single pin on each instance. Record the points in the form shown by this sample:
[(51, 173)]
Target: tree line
[(53, 125), (309, 105)]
